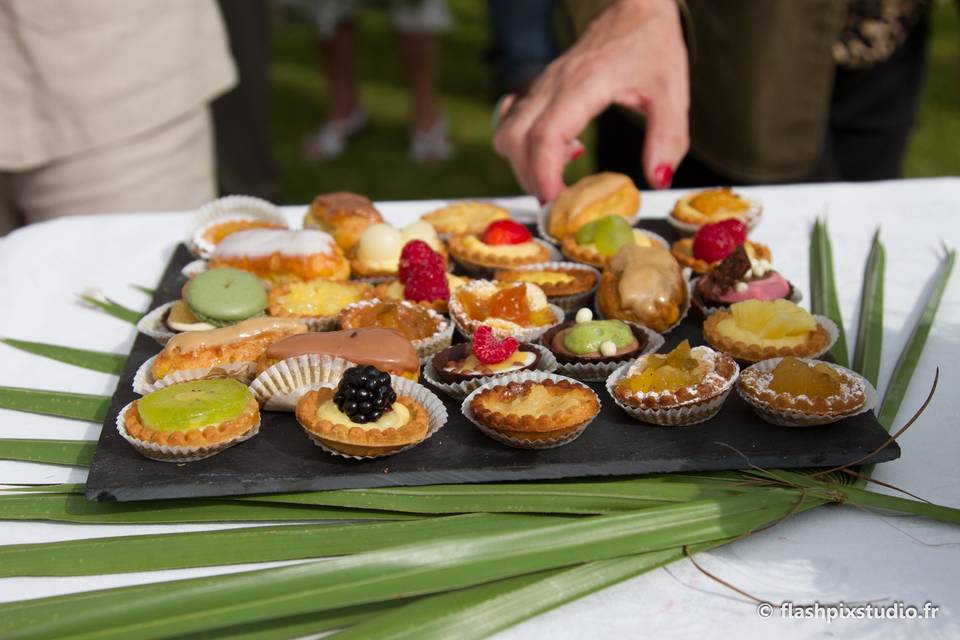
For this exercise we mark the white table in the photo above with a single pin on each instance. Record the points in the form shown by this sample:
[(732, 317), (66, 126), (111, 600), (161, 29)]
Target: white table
[(828, 555)]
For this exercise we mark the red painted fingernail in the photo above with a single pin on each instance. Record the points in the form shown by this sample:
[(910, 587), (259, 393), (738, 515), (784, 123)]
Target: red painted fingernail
[(541, 201), (663, 175), (576, 153)]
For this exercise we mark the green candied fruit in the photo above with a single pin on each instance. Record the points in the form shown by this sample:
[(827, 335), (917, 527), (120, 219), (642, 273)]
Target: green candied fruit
[(193, 405), (612, 233), (586, 233), (586, 337)]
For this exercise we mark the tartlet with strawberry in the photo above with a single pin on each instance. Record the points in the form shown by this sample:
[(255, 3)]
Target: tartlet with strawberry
[(714, 242), (503, 244), (483, 357), (422, 278)]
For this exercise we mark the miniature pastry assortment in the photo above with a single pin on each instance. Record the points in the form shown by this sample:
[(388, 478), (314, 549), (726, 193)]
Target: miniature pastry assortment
[(377, 253), (518, 309), (591, 198), (698, 208), (755, 330), (343, 215), (800, 392), (736, 278), (685, 386), (459, 218), (368, 414), (278, 256), (334, 322), (714, 242), (534, 410), (644, 285), (190, 420)]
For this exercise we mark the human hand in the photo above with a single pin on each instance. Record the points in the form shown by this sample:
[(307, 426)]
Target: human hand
[(632, 55)]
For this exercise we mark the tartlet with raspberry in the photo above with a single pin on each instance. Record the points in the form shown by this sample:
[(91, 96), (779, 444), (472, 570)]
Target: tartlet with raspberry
[(503, 244), (714, 242), (422, 278), (484, 356)]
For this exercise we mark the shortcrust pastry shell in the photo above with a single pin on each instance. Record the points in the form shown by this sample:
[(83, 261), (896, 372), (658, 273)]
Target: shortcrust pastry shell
[(490, 258), (816, 342), (464, 217), (529, 427), (712, 385), (583, 280), (682, 250), (210, 435), (751, 385)]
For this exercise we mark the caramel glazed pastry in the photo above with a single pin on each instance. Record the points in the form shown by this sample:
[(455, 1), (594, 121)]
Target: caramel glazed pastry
[(386, 349), (591, 198), (644, 285), (242, 342), (335, 417), (342, 214), (530, 410), (279, 256)]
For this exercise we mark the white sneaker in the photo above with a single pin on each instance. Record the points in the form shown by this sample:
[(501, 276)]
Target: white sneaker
[(431, 146), (330, 140)]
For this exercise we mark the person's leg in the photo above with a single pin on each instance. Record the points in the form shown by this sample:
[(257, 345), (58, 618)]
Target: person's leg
[(10, 218), (169, 168), (873, 110), (339, 54), (420, 55), (245, 161)]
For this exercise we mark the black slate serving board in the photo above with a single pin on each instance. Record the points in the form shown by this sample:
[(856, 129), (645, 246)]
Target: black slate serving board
[(281, 458)]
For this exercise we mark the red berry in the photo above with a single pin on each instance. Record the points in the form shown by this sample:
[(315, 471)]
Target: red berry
[(489, 350), (416, 256), (716, 241), (506, 232)]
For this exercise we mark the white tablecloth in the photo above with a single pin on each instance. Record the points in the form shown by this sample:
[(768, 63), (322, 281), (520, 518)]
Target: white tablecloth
[(829, 555)]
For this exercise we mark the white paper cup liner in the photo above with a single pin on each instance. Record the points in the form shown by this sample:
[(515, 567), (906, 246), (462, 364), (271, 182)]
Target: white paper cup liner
[(683, 311), (193, 269), (806, 419), (460, 390), (796, 297), (436, 412), (688, 413), (167, 453), (278, 387), (596, 371), (144, 382), (513, 442), (751, 218), (154, 324), (481, 271), (230, 208), (425, 347), (543, 217), (571, 302)]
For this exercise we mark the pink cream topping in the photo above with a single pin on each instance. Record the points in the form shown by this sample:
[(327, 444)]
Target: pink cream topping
[(772, 287)]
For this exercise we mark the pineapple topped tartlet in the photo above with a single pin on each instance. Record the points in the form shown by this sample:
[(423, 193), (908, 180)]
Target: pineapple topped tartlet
[(755, 330)]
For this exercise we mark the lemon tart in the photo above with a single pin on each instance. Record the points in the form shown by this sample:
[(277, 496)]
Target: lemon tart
[(317, 302), (755, 330)]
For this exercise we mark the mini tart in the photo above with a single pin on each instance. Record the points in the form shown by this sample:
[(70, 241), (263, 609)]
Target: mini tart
[(457, 363), (179, 318), (350, 438), (342, 214), (394, 290), (473, 252), (464, 217), (588, 254), (743, 347), (531, 410), (788, 409), (207, 436), (713, 205), (317, 302), (425, 328), (682, 406), (565, 356), (555, 279), (541, 314), (590, 198), (224, 216), (657, 294), (682, 250)]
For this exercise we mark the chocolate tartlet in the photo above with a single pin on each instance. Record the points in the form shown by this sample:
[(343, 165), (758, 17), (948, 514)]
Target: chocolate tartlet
[(739, 277), (553, 339), (458, 353)]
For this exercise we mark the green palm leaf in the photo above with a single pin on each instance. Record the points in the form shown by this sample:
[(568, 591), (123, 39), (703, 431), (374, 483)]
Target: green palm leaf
[(78, 406), (95, 360), (77, 453), (823, 288), (869, 346), (116, 310)]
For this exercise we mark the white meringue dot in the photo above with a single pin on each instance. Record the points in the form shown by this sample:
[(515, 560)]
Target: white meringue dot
[(607, 348), (584, 315)]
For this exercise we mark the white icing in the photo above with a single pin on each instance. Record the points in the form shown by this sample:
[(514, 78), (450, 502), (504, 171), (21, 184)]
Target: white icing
[(257, 243)]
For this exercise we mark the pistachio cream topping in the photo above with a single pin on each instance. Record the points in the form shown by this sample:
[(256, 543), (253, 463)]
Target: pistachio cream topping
[(588, 337)]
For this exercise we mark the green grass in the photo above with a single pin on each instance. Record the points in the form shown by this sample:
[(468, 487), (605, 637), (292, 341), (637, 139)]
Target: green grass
[(376, 163)]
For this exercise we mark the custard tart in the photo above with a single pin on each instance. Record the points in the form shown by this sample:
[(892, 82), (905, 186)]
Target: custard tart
[(503, 244), (755, 330), (317, 302), (458, 218)]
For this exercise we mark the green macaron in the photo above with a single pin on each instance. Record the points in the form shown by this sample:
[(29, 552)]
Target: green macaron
[(225, 296)]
